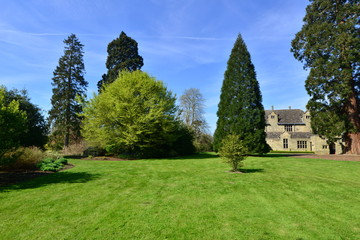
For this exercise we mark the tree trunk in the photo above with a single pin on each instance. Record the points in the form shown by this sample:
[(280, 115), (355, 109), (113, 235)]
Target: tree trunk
[(353, 143)]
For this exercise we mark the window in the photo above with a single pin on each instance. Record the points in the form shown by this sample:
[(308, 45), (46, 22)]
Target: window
[(325, 146), (307, 117), (285, 143), (288, 128), (272, 117), (301, 144)]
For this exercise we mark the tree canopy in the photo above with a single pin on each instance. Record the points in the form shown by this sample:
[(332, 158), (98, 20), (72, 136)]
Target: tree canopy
[(328, 44), (240, 111), (122, 55), (68, 83), (36, 126), (137, 115), (12, 123)]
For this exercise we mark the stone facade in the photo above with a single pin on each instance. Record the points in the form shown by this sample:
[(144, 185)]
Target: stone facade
[(290, 130)]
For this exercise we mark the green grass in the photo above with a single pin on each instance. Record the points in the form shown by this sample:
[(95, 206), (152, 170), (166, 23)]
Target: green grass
[(187, 198)]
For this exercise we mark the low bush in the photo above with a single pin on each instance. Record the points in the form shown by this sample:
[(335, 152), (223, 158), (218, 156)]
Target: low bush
[(50, 164), (23, 158), (76, 149), (233, 151)]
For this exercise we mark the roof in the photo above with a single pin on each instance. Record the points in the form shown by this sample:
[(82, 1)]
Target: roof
[(287, 116), (273, 134), (301, 134)]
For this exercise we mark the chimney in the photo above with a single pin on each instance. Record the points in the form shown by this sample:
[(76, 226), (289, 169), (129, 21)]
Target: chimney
[(272, 108), (290, 107)]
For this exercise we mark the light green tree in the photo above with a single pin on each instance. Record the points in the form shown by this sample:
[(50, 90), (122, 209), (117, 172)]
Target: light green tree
[(12, 123), (135, 114), (233, 151)]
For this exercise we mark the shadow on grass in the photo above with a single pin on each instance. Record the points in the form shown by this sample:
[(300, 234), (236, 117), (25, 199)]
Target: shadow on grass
[(52, 178), (253, 170)]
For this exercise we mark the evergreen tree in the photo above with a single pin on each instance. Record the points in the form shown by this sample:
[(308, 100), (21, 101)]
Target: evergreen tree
[(328, 44), (68, 83), (240, 109), (122, 55)]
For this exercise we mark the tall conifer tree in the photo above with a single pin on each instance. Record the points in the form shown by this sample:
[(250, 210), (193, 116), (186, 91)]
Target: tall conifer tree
[(328, 44), (68, 82), (240, 109), (122, 55)]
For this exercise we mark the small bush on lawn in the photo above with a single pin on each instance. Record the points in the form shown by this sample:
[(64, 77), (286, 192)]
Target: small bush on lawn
[(233, 151), (50, 164)]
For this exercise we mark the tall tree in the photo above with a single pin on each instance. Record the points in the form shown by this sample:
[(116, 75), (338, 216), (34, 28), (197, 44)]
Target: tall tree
[(328, 44), (68, 83), (240, 109), (192, 105), (122, 55)]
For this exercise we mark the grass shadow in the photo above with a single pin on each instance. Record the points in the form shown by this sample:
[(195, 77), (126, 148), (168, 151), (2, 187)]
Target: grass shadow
[(53, 178), (252, 170)]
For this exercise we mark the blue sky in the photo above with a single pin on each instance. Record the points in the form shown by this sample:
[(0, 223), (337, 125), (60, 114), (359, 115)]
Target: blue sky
[(184, 43)]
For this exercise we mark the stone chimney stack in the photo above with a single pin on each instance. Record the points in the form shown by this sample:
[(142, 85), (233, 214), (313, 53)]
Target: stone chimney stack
[(290, 107), (272, 108)]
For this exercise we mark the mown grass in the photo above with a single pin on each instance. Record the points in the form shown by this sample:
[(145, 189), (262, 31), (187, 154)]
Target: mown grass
[(187, 198)]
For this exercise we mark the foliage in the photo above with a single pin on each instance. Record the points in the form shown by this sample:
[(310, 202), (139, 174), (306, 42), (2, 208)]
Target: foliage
[(51, 164), (122, 55), (36, 126), (75, 149), (28, 157), (12, 124), (240, 109), (233, 151), (203, 143), (136, 114), (328, 44), (68, 83)]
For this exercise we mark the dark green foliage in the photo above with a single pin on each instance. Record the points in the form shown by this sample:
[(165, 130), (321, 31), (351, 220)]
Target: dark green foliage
[(36, 126), (50, 164), (12, 124), (240, 109), (122, 55), (328, 44), (68, 83)]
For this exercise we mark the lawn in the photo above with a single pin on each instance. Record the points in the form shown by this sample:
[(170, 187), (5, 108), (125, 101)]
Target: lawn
[(196, 197)]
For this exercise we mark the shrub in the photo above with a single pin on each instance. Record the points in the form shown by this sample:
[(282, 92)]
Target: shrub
[(24, 158), (50, 164), (76, 149), (233, 151)]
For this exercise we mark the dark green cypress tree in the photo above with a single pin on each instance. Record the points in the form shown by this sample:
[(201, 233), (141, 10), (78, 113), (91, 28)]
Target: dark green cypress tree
[(240, 109), (122, 55), (329, 46), (68, 83)]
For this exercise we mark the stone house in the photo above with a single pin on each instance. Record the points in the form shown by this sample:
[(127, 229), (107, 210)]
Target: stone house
[(290, 130)]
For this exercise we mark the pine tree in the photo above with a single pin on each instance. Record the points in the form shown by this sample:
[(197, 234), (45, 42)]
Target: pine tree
[(68, 83), (328, 44), (240, 109), (122, 55)]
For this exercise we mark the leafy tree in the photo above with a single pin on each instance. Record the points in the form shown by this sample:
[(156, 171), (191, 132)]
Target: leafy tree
[(240, 109), (233, 151), (136, 115), (328, 44), (122, 55), (36, 126), (68, 83), (12, 124)]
